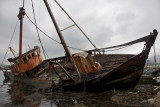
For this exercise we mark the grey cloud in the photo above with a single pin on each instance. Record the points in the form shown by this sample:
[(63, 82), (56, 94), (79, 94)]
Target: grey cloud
[(125, 17), (103, 21)]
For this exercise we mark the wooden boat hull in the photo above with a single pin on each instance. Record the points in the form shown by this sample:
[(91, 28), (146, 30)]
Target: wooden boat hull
[(124, 76)]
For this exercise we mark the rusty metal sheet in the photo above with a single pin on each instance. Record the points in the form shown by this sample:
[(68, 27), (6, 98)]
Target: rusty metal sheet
[(30, 60), (85, 63)]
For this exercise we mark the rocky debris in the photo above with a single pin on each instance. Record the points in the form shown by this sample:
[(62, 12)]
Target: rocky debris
[(129, 98), (157, 79), (156, 101), (156, 73), (140, 96)]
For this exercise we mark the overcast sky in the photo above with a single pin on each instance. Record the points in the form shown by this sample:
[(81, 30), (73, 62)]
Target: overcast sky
[(106, 22)]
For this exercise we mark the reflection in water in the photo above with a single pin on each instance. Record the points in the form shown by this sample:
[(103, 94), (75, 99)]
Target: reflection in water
[(25, 95), (33, 93), (21, 96)]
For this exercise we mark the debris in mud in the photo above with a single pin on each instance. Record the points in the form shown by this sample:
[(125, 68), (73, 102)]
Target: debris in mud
[(128, 98), (141, 95), (156, 73), (156, 101)]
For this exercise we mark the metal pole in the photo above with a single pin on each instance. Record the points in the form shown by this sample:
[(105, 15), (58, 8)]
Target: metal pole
[(20, 16)]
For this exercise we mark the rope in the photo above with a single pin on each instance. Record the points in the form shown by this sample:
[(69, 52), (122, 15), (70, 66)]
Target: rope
[(126, 44), (118, 48), (9, 43), (143, 39), (44, 52), (122, 45), (50, 36)]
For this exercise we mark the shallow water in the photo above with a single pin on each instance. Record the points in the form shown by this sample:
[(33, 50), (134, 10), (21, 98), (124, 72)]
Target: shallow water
[(21, 94), (25, 94)]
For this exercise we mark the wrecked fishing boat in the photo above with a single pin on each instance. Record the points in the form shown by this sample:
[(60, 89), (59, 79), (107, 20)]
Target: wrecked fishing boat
[(92, 70), (118, 71)]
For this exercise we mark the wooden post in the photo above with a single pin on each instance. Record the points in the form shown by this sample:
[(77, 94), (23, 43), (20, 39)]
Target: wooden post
[(61, 37), (12, 51)]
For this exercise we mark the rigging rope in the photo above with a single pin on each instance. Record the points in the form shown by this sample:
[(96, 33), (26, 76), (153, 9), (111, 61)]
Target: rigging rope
[(50, 36), (9, 43), (128, 43), (44, 52), (122, 45), (118, 48)]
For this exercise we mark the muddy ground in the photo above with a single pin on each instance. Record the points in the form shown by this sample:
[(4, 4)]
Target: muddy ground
[(33, 91), (140, 96)]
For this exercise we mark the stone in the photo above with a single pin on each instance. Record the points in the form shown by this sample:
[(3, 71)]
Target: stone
[(156, 101)]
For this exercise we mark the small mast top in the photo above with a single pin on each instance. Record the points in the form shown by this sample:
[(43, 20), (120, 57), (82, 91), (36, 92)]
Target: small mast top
[(21, 13)]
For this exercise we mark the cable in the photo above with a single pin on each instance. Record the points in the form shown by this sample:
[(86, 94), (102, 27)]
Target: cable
[(9, 43), (51, 37), (44, 52)]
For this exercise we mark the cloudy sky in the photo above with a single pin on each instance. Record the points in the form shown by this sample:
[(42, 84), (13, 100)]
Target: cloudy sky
[(106, 22)]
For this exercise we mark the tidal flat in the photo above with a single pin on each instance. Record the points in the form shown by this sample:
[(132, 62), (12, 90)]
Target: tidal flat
[(34, 93)]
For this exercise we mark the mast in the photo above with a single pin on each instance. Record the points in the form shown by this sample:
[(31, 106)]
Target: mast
[(58, 31), (20, 16), (68, 53)]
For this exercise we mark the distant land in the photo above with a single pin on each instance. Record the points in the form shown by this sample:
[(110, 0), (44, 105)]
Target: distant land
[(4, 67)]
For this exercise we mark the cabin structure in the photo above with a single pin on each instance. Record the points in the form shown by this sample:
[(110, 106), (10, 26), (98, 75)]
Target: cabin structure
[(30, 60)]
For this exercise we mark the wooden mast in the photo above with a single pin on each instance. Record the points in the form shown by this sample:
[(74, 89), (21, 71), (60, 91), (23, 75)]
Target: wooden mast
[(58, 31), (20, 16), (68, 53)]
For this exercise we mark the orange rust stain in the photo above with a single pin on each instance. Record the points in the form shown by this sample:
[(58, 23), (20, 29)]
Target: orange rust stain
[(85, 63), (29, 65)]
